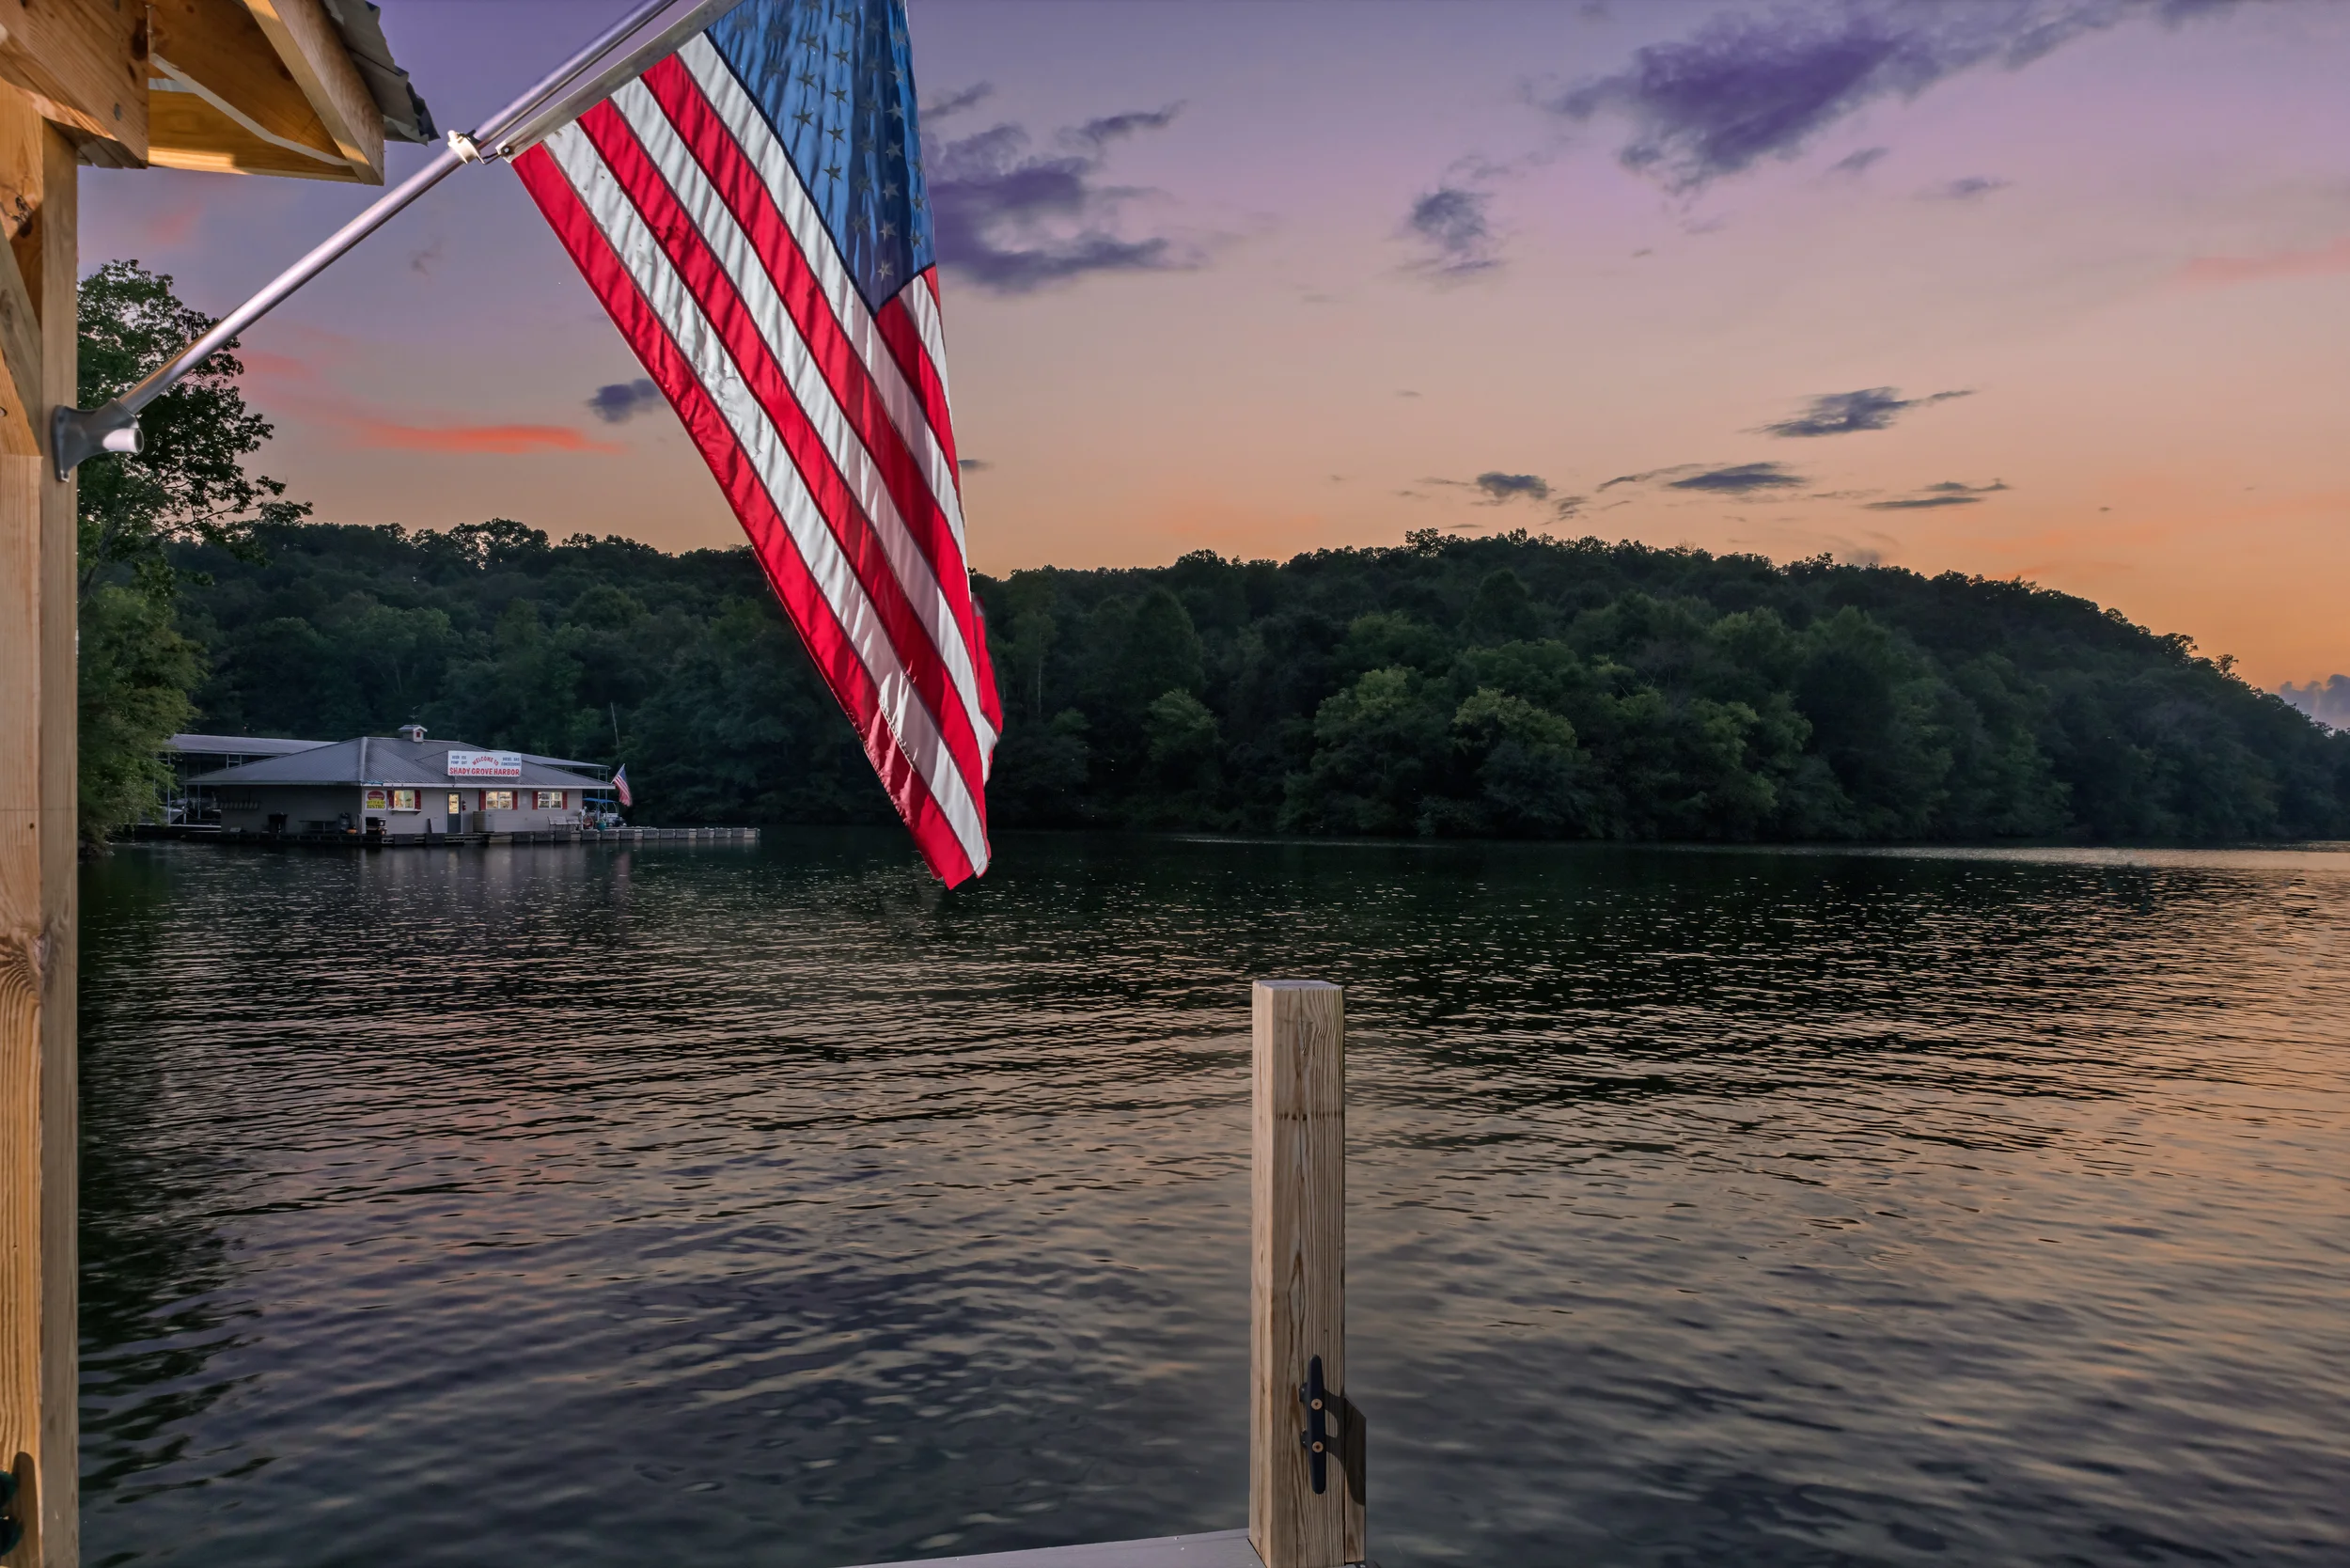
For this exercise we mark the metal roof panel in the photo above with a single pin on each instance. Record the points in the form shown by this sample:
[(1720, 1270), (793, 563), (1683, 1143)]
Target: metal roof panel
[(391, 760)]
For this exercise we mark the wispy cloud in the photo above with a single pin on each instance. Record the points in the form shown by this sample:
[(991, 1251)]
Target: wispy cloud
[(1737, 478), (1499, 489), (1453, 229), (1750, 85), (974, 465), (1513, 487), (316, 401), (1855, 163), (1099, 133), (2321, 263), (1950, 493), (1872, 408), (1014, 222), (500, 440), (1742, 479), (1972, 187), (618, 402), (958, 101)]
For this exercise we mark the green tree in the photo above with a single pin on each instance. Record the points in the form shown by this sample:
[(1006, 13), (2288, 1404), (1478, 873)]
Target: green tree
[(135, 673), (1184, 744), (1381, 744), (188, 486)]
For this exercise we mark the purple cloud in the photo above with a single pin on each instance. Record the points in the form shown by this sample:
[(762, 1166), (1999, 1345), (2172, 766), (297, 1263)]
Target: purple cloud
[(1872, 408), (1750, 84)]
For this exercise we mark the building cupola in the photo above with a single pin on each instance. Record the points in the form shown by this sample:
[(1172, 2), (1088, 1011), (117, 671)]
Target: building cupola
[(411, 731)]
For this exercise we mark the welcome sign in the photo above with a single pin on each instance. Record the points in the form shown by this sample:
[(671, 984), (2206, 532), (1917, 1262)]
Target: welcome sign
[(485, 764)]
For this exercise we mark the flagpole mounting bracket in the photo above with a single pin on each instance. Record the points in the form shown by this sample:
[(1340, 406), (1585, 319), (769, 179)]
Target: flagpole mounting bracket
[(77, 437)]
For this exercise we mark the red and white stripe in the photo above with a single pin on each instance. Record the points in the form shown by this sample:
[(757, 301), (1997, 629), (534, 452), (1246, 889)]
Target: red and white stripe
[(826, 424)]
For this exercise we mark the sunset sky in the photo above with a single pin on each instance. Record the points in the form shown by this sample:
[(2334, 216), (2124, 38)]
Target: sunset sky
[(2056, 288)]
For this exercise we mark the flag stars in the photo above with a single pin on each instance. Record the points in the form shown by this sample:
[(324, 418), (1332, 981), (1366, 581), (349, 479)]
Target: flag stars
[(842, 94)]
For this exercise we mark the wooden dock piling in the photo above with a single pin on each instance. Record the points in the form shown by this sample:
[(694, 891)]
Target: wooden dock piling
[(1297, 1290)]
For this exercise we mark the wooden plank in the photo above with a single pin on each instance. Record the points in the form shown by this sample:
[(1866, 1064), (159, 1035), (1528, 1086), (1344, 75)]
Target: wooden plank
[(38, 1426), (193, 131), (224, 102), (1297, 1278), (60, 844), (312, 49), (1225, 1548), (84, 64), (21, 144)]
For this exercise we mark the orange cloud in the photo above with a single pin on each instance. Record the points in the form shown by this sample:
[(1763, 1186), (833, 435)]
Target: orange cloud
[(2284, 263), (263, 365), (503, 440)]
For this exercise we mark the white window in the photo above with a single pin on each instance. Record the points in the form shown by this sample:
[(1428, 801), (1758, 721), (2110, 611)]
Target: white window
[(550, 800), (497, 800), (403, 800)]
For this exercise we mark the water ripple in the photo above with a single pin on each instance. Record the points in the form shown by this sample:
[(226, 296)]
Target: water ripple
[(715, 1206)]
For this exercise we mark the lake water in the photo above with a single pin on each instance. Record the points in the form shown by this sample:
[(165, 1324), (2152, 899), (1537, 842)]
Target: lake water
[(723, 1206)]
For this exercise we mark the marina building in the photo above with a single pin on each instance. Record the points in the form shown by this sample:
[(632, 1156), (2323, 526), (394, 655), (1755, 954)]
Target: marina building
[(384, 788)]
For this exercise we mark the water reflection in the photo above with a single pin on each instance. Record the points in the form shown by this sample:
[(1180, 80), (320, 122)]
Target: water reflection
[(459, 1207)]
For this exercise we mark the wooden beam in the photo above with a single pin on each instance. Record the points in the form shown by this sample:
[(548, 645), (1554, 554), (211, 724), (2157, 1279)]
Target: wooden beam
[(312, 52), (22, 146), (38, 1426), (225, 99), (1297, 1281), (84, 62)]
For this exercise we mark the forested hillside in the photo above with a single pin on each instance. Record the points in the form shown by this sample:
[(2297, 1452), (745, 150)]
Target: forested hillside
[(1509, 686)]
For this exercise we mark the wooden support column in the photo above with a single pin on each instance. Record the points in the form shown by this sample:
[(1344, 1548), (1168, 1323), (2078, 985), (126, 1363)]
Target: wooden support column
[(1297, 1292), (38, 1431)]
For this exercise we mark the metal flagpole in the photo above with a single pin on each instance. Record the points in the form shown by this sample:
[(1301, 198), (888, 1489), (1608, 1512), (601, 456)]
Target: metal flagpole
[(75, 436)]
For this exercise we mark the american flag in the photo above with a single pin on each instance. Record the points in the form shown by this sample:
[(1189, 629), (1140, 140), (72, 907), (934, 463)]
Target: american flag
[(752, 213)]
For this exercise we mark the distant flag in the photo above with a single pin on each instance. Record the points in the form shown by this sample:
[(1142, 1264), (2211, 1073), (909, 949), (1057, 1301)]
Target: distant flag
[(619, 783), (751, 211)]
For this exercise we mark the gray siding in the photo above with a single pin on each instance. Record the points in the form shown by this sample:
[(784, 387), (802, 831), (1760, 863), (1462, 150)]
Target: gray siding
[(332, 807)]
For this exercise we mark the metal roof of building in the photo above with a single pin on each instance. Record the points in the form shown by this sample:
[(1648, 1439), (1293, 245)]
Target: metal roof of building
[(381, 760), (238, 746)]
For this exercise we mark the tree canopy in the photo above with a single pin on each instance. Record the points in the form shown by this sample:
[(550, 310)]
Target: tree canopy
[(1501, 686)]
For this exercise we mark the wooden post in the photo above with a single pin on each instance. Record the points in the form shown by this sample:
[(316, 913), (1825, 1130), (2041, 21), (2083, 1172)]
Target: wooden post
[(39, 1431), (1297, 1290)]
